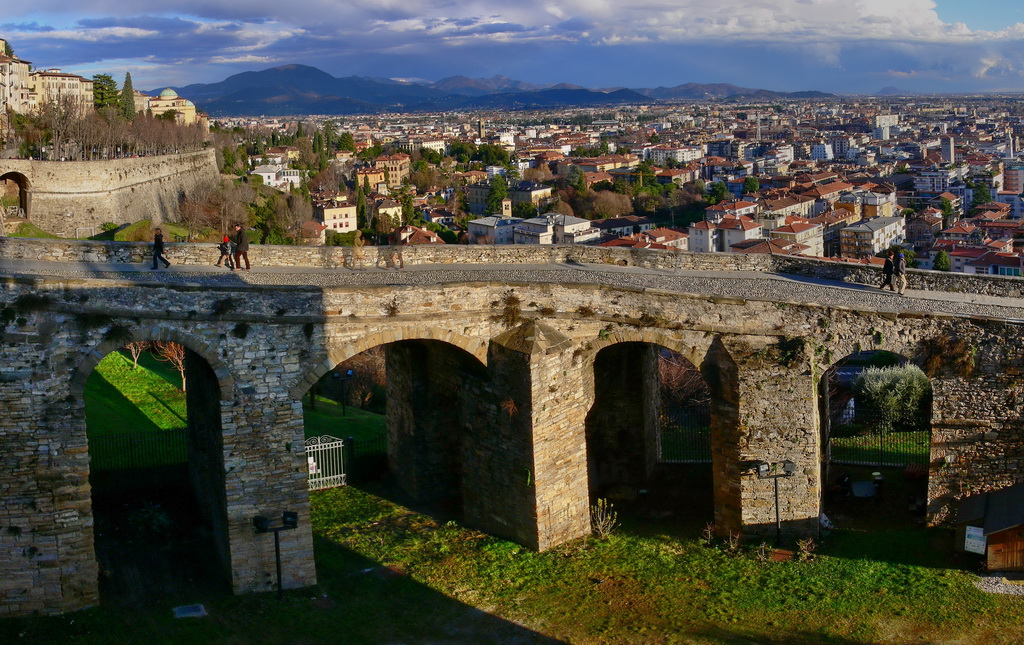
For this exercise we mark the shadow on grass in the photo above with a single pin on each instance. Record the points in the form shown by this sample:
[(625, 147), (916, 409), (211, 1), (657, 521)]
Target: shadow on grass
[(167, 406), (742, 636), (108, 408), (381, 604), (357, 601)]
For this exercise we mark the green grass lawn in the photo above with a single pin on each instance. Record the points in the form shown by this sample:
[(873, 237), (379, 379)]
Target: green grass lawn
[(896, 448), (146, 399), (390, 575), (142, 230), (135, 417), (327, 419), (28, 229)]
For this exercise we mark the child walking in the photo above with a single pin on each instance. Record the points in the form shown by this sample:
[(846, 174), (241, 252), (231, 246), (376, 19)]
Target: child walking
[(225, 253)]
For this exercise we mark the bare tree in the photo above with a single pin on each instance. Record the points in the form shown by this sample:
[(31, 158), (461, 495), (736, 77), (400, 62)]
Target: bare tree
[(681, 382), (136, 349), (174, 354)]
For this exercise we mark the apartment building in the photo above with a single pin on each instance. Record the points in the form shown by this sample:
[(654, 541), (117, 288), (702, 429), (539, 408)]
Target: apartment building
[(870, 237)]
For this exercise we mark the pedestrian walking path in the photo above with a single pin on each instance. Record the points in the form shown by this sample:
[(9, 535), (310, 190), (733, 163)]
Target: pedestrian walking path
[(751, 285)]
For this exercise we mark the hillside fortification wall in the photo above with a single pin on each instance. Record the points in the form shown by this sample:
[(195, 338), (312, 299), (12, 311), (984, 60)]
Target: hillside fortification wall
[(67, 195)]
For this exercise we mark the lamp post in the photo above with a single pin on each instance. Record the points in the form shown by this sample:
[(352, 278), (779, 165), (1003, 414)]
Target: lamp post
[(289, 520), (774, 471), (344, 388)]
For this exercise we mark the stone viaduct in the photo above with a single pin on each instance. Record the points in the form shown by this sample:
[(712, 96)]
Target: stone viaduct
[(525, 397), (60, 196)]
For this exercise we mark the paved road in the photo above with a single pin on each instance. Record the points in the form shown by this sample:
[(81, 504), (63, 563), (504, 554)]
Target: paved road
[(743, 284)]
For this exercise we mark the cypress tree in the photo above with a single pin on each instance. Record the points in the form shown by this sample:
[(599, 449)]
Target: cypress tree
[(128, 98)]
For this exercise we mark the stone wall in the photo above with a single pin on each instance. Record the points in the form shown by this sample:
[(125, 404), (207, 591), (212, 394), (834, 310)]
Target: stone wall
[(526, 380), (336, 257), (65, 195)]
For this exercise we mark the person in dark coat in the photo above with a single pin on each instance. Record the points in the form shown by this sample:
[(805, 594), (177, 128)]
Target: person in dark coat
[(158, 250), (887, 272), (900, 271), (241, 248)]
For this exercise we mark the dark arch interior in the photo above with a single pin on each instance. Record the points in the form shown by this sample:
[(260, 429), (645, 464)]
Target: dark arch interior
[(157, 476), (14, 186), (875, 455), (649, 435), (407, 411)]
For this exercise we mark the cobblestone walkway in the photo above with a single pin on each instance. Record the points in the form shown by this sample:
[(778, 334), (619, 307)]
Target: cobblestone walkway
[(738, 284)]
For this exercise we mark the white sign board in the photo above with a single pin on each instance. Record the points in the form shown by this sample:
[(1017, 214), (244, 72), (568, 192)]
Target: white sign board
[(974, 541)]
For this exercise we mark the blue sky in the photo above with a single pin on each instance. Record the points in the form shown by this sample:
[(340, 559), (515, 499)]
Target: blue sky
[(845, 46)]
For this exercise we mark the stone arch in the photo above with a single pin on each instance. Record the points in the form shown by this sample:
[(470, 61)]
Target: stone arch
[(475, 347), (24, 189), (693, 353), (200, 347), (625, 418)]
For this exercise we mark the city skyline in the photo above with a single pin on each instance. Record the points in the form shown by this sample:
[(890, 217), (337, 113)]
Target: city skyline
[(836, 46)]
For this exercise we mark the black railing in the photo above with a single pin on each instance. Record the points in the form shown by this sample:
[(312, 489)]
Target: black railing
[(685, 436), (138, 449)]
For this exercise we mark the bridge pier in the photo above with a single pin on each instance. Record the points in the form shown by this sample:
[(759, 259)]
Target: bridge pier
[(526, 465), (765, 409)]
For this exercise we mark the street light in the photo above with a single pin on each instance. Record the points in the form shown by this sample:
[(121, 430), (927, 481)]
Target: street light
[(344, 387), (774, 471), (262, 524)]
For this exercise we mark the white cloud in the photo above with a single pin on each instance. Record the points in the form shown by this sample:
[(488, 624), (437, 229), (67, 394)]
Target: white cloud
[(832, 34)]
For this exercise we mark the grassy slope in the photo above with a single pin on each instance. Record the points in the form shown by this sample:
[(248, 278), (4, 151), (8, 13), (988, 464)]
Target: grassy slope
[(327, 419), (28, 229), (119, 399), (642, 585)]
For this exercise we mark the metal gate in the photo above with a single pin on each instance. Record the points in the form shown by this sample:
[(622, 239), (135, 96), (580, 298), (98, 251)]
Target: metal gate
[(684, 435), (325, 457)]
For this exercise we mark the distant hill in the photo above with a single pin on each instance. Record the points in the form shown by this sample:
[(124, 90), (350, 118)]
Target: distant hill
[(698, 91), (301, 89), (894, 91), (481, 86)]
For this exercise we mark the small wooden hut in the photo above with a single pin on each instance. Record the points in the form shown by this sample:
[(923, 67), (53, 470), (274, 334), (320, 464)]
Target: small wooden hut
[(992, 523)]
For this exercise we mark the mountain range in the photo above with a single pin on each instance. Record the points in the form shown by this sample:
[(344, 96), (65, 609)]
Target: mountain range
[(301, 89)]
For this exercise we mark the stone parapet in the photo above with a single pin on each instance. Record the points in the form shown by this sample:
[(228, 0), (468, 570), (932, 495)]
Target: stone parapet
[(337, 257)]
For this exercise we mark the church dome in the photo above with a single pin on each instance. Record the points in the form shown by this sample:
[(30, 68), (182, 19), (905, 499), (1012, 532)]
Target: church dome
[(168, 94)]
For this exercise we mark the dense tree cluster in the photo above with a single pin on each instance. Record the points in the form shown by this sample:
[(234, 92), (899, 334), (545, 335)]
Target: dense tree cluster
[(63, 130)]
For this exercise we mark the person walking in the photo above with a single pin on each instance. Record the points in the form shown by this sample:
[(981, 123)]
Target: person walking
[(225, 253), (887, 269), (158, 250), (241, 248), (900, 271)]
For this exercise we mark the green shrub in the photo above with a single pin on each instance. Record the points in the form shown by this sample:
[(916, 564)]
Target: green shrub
[(897, 397)]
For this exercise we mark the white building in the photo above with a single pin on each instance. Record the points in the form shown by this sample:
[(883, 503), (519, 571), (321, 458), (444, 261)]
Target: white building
[(822, 152), (493, 230), (336, 216)]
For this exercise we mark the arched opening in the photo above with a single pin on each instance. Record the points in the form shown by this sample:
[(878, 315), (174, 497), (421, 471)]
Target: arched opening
[(156, 473), (649, 435), (14, 196), (876, 409), (405, 413)]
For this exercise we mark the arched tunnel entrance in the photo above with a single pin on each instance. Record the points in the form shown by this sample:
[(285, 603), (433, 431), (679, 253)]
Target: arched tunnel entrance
[(649, 435), (157, 473), (876, 410), (15, 196)]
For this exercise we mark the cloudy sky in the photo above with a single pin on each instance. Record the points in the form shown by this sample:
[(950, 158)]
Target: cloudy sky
[(856, 46)]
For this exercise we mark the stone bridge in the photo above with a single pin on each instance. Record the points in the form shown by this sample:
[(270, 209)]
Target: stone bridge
[(523, 380)]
